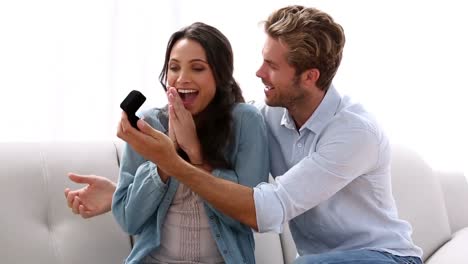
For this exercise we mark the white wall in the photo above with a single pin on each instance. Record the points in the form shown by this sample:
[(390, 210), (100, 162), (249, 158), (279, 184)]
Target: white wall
[(66, 65)]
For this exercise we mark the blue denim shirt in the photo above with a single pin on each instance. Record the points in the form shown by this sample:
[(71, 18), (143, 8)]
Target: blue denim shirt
[(141, 200)]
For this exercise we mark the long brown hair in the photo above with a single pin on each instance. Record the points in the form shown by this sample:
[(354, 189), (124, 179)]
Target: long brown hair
[(214, 123)]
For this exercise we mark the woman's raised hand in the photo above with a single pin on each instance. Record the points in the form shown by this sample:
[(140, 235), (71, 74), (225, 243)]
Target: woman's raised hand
[(182, 126)]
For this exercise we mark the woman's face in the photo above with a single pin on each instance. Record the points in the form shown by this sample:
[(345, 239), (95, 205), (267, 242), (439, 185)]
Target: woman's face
[(189, 72)]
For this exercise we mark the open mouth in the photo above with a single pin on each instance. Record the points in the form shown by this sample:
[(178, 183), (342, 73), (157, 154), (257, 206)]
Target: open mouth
[(188, 96), (268, 89)]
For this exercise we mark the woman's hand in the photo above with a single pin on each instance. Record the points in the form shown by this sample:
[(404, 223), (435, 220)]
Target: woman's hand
[(183, 127), (172, 135), (93, 199)]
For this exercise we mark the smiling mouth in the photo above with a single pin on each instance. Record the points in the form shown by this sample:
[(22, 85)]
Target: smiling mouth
[(188, 96), (268, 88)]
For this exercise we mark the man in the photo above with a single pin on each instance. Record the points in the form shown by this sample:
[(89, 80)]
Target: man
[(330, 159)]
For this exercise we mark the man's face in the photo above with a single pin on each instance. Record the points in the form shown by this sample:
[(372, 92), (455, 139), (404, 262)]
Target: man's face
[(282, 86)]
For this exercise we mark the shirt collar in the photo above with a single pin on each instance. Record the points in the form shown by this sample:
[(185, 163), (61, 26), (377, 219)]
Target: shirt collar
[(287, 120), (324, 112)]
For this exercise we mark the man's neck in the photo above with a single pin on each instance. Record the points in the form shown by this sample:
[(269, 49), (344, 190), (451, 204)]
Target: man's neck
[(302, 111)]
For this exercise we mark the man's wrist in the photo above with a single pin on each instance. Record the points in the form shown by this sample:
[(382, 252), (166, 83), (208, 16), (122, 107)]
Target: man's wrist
[(196, 158), (177, 166), (195, 154)]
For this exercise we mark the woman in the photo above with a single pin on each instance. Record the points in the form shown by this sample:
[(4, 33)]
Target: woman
[(213, 129)]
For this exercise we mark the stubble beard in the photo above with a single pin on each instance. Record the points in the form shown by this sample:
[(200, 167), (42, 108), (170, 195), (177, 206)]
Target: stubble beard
[(289, 101)]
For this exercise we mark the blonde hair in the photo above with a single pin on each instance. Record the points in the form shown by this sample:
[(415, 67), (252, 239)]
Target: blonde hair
[(314, 40)]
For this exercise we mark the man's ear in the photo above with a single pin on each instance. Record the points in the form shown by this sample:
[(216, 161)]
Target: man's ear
[(310, 76)]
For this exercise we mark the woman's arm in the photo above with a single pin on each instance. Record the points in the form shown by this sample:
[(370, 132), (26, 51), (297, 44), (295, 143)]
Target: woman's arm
[(140, 189), (139, 192)]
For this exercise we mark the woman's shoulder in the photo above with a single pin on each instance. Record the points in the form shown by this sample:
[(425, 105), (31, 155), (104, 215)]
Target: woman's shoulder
[(245, 110), (156, 117), (150, 113)]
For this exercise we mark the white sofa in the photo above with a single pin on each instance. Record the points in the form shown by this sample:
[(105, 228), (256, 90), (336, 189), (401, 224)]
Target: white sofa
[(40, 228)]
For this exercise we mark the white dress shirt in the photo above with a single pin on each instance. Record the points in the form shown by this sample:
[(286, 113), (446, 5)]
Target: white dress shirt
[(332, 181)]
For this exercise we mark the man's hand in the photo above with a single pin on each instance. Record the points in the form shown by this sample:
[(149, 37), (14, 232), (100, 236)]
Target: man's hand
[(93, 199), (150, 143)]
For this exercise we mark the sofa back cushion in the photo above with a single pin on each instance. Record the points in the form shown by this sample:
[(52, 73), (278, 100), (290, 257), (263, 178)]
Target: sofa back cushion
[(38, 227), (419, 198)]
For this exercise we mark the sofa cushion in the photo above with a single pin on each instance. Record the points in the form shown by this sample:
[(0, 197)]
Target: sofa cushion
[(455, 188), (268, 248), (38, 227), (419, 199), (454, 251)]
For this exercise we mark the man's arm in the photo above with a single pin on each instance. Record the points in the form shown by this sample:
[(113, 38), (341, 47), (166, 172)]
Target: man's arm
[(157, 147), (219, 193)]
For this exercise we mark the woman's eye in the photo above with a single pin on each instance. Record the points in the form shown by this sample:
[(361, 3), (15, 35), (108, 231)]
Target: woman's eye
[(198, 69)]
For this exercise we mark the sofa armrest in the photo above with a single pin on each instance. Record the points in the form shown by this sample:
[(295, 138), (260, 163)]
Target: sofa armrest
[(455, 190), (453, 252)]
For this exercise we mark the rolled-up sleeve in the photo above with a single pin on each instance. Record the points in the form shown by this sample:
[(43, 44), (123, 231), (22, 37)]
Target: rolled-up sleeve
[(268, 206), (338, 159)]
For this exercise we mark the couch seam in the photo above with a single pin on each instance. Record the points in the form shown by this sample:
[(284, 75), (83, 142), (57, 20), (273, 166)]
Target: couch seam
[(45, 176), (117, 154)]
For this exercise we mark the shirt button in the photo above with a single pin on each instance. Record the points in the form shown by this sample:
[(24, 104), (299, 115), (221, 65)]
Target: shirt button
[(218, 235), (299, 145)]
